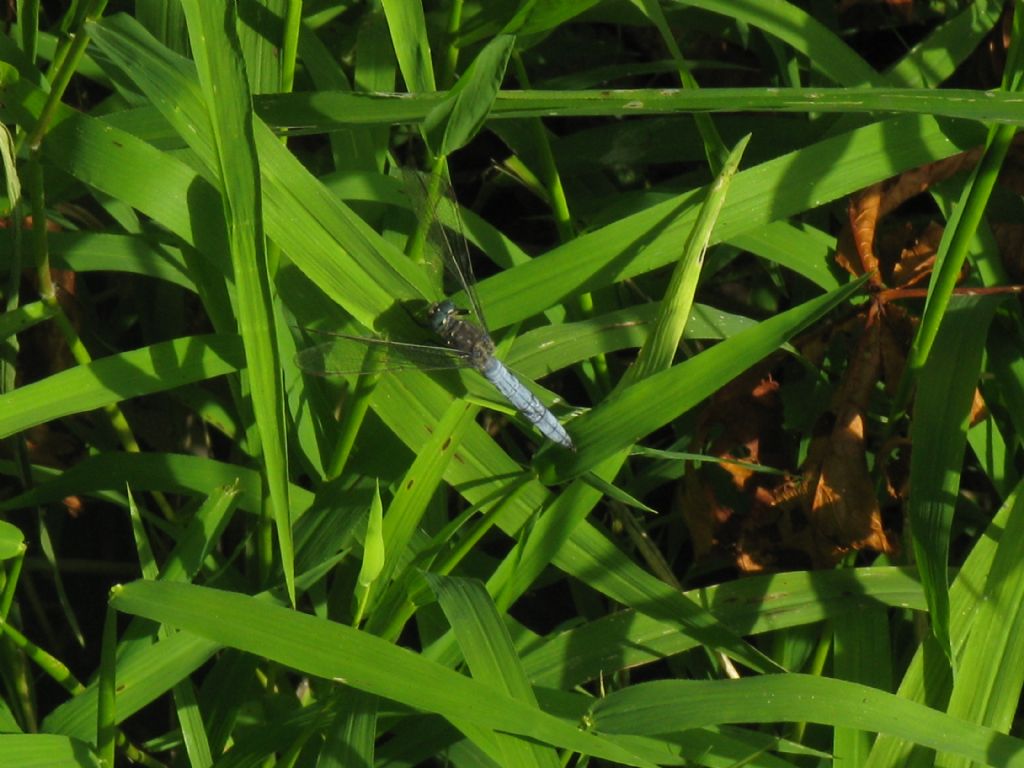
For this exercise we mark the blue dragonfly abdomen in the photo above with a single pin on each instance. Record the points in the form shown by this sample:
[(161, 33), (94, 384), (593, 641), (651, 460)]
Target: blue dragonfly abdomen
[(524, 401)]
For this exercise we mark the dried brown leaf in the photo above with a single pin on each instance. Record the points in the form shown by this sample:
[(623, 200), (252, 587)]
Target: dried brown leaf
[(843, 509), (916, 262), (864, 214)]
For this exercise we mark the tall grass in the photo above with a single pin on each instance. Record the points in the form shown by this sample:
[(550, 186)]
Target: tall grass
[(396, 570)]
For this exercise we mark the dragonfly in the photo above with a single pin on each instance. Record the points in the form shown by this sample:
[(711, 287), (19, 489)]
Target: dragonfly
[(464, 344)]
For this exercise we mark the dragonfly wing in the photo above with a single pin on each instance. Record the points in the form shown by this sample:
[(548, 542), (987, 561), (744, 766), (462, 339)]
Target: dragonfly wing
[(456, 254), (448, 234), (358, 356)]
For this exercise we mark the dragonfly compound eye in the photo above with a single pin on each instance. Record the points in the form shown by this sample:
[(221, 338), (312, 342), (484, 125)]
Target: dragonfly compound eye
[(440, 315)]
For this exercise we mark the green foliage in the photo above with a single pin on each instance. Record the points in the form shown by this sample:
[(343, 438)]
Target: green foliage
[(397, 569)]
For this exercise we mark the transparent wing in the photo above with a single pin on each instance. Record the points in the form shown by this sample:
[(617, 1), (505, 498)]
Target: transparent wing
[(450, 239), (456, 254), (358, 356)]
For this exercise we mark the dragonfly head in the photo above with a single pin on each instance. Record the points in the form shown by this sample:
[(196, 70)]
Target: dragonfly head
[(441, 314)]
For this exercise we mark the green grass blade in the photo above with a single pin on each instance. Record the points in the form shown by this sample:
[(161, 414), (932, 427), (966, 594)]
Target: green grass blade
[(175, 473), (551, 347), (24, 317), (409, 37), (106, 711), (782, 20), (131, 254), (264, 54), (938, 431), (143, 548), (659, 351), (224, 85), (456, 120), (202, 534), (990, 673), (155, 368), (143, 675), (355, 148), (933, 60), (160, 194), (994, 455), (862, 646), (957, 239), (588, 554), (308, 114), (799, 29), (488, 650), (483, 637), (350, 737), (28, 21), (51, 666), (548, 15), (669, 706), (334, 651), (165, 20), (410, 503), (311, 224), (803, 249), (925, 680), (334, 248), (714, 148), (43, 750), (756, 605), (373, 557), (193, 732), (12, 541), (615, 493)]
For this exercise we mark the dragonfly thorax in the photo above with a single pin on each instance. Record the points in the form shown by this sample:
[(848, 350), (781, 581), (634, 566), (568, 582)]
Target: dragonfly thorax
[(461, 335)]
